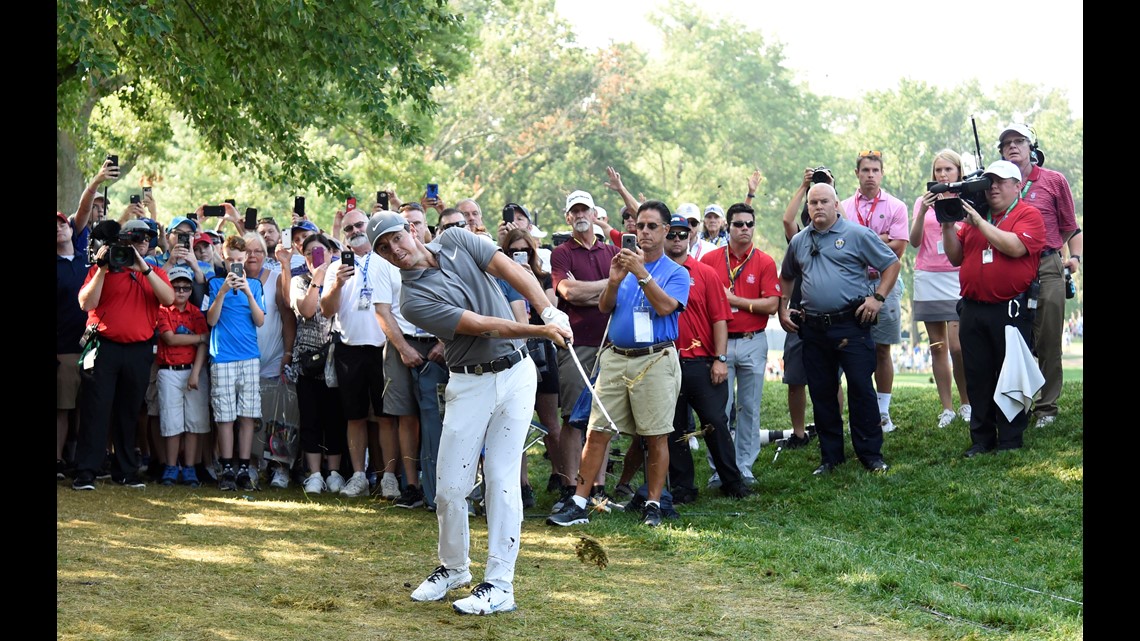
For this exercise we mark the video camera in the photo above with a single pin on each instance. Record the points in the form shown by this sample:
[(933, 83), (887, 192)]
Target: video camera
[(971, 190), (121, 253)]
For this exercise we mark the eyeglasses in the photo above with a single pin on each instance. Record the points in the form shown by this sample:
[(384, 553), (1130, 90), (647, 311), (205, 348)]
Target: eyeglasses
[(182, 288), (1013, 141), (682, 234), (651, 226), (694, 222), (870, 153), (348, 229), (461, 223), (740, 223)]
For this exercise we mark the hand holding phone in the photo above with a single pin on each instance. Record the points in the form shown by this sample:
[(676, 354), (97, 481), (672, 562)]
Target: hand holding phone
[(432, 191), (349, 204), (382, 198), (216, 211), (347, 257), (299, 205), (521, 257), (318, 255), (136, 199), (250, 218), (629, 241)]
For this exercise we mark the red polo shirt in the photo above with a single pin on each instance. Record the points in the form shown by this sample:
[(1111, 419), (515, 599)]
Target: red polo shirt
[(707, 305), (1050, 194), (1005, 277), (169, 320), (752, 276), (128, 308)]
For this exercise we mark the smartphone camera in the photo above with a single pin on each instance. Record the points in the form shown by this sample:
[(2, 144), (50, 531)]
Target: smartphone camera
[(250, 218), (114, 158), (629, 241), (348, 258), (184, 239), (237, 269), (521, 257), (299, 205), (382, 198)]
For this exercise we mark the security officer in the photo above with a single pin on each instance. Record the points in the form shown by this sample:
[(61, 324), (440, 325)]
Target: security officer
[(998, 256), (839, 307)]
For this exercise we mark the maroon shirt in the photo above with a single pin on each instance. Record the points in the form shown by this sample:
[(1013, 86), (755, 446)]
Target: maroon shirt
[(1050, 194), (707, 305), (128, 308), (1005, 277), (586, 264)]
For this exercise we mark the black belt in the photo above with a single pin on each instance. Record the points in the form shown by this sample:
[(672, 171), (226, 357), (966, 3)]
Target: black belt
[(827, 320), (1050, 251), (500, 364), (422, 339), (642, 351), (175, 367), (702, 359), (744, 334)]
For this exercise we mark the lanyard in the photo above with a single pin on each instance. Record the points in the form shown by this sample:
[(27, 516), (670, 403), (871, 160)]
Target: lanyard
[(871, 213), (1025, 189), (734, 273), (364, 273), (997, 223)]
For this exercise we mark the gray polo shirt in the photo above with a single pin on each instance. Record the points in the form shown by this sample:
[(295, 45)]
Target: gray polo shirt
[(435, 299), (836, 278)]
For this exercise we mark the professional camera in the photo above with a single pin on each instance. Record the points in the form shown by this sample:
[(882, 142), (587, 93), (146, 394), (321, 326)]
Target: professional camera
[(821, 174), (972, 190)]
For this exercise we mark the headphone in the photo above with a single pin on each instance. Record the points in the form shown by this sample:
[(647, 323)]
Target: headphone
[(1036, 156)]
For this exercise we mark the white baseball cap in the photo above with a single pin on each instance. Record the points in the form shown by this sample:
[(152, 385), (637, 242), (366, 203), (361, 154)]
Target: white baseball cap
[(601, 213), (579, 196), (1003, 169), (1019, 128), (689, 210)]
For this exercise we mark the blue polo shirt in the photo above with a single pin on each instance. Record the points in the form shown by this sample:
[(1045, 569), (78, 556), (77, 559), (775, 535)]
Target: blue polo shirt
[(234, 338), (671, 277)]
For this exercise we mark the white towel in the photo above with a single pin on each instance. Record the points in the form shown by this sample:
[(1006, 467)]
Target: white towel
[(1020, 379)]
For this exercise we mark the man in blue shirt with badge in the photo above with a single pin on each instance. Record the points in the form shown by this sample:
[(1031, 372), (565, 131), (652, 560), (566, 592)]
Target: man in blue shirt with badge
[(839, 307), (645, 294)]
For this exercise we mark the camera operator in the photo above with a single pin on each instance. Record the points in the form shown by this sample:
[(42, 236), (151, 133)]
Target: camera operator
[(1049, 192), (998, 257), (122, 302)]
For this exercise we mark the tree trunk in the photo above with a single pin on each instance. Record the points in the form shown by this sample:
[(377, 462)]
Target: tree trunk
[(69, 181)]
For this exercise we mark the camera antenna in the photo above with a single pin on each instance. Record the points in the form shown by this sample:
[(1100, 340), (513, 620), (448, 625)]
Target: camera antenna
[(977, 146)]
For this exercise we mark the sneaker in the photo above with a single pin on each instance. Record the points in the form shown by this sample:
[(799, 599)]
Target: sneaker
[(886, 422), (314, 483), (600, 501), (105, 471), (714, 481), (227, 480), (170, 475), (190, 477), (411, 497), (570, 514), (245, 479), (794, 442), (435, 587), (280, 478), (652, 515), (83, 481), (965, 412), (131, 481), (563, 495), (335, 482), (623, 492), (389, 487), (357, 485), (945, 418), (1045, 421), (527, 497), (486, 599)]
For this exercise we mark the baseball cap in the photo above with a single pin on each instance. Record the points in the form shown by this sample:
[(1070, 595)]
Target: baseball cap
[(139, 224), (689, 210), (60, 216), (536, 232), (304, 225), (180, 271), (178, 220), (1017, 127), (579, 196), (384, 222), (203, 238), (601, 213), (215, 236), (679, 221), (1004, 169), (714, 209), (598, 231)]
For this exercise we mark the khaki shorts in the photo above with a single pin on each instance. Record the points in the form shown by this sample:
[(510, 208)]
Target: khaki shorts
[(640, 392), (67, 381)]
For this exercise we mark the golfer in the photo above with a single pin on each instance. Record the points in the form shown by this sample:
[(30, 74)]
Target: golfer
[(448, 290)]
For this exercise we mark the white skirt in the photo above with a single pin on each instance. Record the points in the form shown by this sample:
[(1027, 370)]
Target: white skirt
[(936, 296)]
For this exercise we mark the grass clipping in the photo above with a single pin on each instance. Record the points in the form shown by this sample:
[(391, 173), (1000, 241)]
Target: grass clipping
[(590, 551)]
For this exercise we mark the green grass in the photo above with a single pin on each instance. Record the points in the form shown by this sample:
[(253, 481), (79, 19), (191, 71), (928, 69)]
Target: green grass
[(939, 547)]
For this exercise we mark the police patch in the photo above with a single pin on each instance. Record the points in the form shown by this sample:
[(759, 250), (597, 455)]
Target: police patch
[(839, 243)]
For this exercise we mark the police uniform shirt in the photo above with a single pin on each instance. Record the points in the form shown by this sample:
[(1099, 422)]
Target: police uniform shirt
[(435, 299), (836, 277)]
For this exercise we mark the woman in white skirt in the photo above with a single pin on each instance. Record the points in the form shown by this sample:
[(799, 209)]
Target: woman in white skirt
[(936, 290)]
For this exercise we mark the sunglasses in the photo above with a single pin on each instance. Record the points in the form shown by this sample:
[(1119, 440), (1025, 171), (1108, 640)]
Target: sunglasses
[(681, 234), (651, 226), (626, 216), (740, 223), (1013, 141), (870, 153), (182, 288), (694, 223), (348, 229), (462, 223)]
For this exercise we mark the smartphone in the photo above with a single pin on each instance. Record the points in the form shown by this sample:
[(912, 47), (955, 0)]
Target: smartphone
[(192, 215), (250, 218), (318, 255), (136, 199), (146, 190), (214, 210), (382, 198), (184, 239), (299, 205), (432, 191), (521, 257), (508, 215), (349, 204), (348, 258), (629, 241), (114, 158), (237, 269), (232, 202)]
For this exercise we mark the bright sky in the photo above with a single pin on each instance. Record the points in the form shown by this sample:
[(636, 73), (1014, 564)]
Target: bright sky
[(818, 40)]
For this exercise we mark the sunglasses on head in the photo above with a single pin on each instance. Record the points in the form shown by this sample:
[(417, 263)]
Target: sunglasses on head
[(461, 223), (651, 226), (681, 234), (740, 223), (870, 153), (348, 229)]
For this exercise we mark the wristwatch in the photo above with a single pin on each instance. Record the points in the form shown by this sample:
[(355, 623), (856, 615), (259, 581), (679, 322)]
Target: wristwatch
[(879, 297), (645, 281), (722, 358)]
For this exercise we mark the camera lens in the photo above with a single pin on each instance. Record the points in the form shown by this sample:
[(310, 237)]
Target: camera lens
[(820, 176)]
